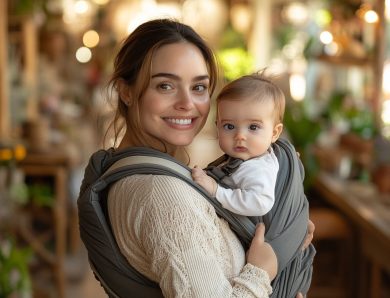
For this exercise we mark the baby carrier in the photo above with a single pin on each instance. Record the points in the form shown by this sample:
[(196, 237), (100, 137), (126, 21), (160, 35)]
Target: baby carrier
[(286, 223)]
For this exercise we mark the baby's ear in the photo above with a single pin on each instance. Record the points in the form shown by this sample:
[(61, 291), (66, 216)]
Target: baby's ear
[(277, 132)]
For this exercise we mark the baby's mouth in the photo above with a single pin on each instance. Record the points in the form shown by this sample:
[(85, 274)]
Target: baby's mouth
[(240, 149)]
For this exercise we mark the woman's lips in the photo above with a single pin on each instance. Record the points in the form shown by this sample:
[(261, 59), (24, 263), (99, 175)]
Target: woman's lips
[(180, 122)]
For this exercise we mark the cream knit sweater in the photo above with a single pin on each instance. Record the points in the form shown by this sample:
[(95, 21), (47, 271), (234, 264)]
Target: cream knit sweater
[(172, 235)]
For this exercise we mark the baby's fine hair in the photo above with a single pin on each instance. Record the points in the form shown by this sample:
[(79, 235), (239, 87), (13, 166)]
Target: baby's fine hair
[(255, 86)]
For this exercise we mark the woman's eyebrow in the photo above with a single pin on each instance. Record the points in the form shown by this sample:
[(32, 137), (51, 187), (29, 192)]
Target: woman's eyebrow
[(201, 78), (166, 75), (176, 77)]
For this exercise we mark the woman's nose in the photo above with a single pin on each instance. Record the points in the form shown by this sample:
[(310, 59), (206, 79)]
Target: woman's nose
[(184, 101)]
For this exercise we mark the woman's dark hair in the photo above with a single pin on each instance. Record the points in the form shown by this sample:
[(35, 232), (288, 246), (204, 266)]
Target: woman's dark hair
[(132, 66)]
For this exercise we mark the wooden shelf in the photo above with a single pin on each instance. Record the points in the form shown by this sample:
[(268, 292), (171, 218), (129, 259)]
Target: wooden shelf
[(346, 60), (21, 33), (55, 164), (371, 64)]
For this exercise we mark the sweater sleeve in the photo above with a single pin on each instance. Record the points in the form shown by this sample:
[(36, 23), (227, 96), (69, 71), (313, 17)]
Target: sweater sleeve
[(179, 235), (253, 189)]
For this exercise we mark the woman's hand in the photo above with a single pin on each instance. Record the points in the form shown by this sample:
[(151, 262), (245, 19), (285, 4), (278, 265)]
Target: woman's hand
[(309, 238), (310, 234), (261, 254)]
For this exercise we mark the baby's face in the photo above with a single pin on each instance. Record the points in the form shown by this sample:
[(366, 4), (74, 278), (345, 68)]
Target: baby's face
[(246, 128)]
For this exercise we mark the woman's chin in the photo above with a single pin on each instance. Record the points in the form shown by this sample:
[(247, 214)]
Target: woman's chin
[(180, 142)]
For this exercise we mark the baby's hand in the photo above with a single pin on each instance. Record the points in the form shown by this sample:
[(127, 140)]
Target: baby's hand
[(203, 180)]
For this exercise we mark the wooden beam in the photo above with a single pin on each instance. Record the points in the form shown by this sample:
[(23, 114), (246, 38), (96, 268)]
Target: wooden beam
[(4, 88), (30, 52), (379, 59)]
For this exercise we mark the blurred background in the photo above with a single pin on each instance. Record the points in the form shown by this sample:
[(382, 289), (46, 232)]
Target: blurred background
[(331, 58)]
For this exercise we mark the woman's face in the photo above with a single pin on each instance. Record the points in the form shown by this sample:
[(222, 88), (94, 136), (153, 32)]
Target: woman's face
[(176, 103)]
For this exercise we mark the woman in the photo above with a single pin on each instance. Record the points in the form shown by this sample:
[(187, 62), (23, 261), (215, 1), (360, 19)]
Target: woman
[(164, 75)]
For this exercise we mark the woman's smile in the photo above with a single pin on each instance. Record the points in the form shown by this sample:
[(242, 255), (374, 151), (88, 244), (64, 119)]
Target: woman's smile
[(180, 122)]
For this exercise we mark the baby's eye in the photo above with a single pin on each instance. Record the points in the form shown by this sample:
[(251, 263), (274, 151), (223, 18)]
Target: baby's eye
[(228, 126), (254, 127)]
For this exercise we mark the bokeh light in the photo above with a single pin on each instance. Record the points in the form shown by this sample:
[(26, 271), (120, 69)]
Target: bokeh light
[(83, 54), (91, 38)]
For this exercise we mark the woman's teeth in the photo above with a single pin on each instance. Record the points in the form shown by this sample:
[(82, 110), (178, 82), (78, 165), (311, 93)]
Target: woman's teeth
[(180, 121)]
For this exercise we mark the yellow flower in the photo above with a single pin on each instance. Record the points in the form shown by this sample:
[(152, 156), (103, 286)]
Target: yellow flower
[(20, 152), (5, 154)]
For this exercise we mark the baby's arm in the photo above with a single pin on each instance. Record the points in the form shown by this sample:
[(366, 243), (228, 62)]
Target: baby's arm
[(208, 183)]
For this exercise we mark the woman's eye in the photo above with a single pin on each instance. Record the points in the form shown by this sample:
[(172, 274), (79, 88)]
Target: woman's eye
[(200, 87), (254, 127), (228, 126), (165, 86)]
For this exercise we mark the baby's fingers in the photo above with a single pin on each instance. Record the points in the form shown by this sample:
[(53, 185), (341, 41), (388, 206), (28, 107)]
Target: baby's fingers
[(197, 172)]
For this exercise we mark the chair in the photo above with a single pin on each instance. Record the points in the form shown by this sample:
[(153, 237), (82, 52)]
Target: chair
[(334, 271)]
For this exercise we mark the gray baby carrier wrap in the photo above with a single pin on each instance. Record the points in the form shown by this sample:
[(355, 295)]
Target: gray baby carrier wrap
[(286, 223)]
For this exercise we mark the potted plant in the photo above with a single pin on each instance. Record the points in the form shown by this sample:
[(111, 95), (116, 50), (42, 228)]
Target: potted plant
[(14, 275), (303, 132)]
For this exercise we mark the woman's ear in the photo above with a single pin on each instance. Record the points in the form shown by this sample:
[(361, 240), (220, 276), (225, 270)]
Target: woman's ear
[(124, 91), (277, 131)]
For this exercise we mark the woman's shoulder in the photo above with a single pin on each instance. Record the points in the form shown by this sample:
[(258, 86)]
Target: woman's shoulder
[(153, 182), (158, 189)]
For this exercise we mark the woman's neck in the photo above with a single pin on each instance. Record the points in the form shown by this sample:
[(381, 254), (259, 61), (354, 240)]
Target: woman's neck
[(175, 151)]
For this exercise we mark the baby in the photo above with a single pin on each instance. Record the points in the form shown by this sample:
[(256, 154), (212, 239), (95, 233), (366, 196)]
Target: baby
[(250, 113)]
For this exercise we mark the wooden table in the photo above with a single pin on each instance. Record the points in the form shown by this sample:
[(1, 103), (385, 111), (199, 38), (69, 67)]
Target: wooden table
[(55, 164), (370, 212)]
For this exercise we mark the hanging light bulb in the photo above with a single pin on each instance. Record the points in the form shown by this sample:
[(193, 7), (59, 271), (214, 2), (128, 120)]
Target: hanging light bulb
[(83, 55), (326, 37), (296, 13), (371, 16), (241, 17), (297, 87), (91, 38)]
